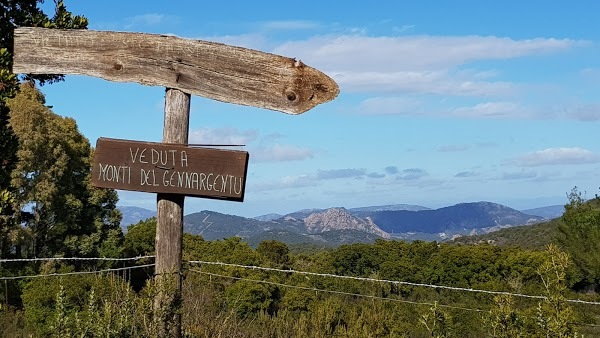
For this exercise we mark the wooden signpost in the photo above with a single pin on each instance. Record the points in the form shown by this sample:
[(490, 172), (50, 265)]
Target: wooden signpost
[(170, 169), (213, 70)]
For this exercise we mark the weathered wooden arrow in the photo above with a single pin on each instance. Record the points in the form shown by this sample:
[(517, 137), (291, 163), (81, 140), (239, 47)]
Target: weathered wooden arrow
[(217, 71)]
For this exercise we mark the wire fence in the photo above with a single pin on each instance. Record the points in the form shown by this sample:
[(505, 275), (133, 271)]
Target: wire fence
[(334, 291), (77, 272), (287, 271), (11, 260), (454, 288)]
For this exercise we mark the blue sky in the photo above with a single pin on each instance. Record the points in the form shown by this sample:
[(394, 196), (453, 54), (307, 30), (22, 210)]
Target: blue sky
[(440, 102)]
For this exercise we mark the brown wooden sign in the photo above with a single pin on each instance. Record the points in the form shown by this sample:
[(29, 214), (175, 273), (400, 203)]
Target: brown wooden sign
[(217, 71), (170, 168)]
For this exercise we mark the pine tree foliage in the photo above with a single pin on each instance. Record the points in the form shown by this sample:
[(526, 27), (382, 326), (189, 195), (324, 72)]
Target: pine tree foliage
[(14, 14), (580, 235), (66, 215)]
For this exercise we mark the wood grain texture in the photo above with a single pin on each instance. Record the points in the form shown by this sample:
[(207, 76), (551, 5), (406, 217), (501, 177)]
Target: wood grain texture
[(217, 71), (169, 223), (170, 168)]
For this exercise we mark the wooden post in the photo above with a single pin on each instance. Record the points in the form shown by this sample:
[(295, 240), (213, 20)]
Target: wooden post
[(169, 226)]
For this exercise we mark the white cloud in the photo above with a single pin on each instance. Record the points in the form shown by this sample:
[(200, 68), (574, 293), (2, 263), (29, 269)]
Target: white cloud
[(261, 148), (412, 53), (466, 174), (222, 136), (423, 82), (585, 112), (332, 174), (392, 176), (493, 110), (416, 64), (557, 156), (287, 182), (412, 174), (309, 180), (375, 175), (413, 106), (416, 105), (518, 175), (391, 170), (280, 153)]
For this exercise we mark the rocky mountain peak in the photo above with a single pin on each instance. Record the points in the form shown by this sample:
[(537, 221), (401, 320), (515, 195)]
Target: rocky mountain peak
[(340, 219)]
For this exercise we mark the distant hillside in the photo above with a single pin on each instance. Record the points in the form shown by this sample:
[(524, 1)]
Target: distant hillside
[(132, 215), (535, 236), (301, 214), (464, 218), (291, 238), (323, 228), (335, 226), (213, 225), (268, 217), (549, 212)]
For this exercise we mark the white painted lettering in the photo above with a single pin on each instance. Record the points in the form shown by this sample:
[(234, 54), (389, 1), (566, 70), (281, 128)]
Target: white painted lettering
[(154, 184), (173, 156), (223, 182), (184, 161), (188, 180), (180, 177), (235, 190), (145, 177), (142, 158), (165, 182), (194, 181), (215, 183), (210, 186), (202, 181), (114, 173), (102, 172), (133, 157)]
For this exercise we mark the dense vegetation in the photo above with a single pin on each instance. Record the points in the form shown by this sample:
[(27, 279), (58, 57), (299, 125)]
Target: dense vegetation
[(535, 237), (230, 301)]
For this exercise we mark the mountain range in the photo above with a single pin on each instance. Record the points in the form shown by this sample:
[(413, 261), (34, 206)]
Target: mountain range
[(335, 226)]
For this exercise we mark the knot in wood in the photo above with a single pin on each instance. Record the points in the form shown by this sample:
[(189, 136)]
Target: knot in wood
[(291, 96)]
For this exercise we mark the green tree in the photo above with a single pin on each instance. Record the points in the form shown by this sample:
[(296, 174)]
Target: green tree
[(554, 316), (18, 13), (579, 235), (140, 237), (52, 179), (275, 252), (504, 320), (84, 306), (436, 321)]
